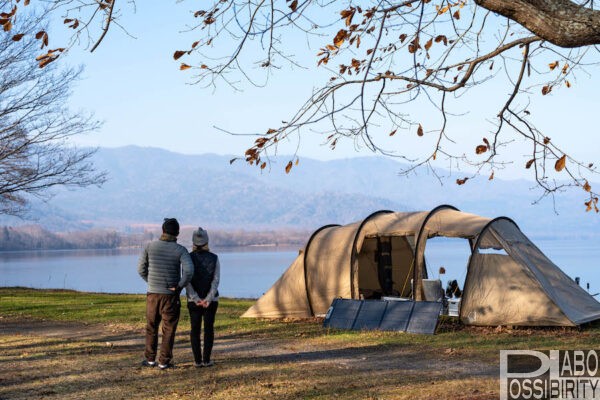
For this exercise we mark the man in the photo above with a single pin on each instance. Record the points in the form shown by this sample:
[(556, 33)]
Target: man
[(168, 268)]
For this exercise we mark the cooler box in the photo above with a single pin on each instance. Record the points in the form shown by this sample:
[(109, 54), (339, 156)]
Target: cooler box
[(453, 307)]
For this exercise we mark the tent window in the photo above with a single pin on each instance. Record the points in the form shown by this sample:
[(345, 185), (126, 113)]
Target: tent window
[(492, 251)]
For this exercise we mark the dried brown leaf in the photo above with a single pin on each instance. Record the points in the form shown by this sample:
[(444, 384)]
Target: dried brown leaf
[(178, 54), (481, 149), (428, 44), (442, 9), (546, 89), (347, 15), (46, 61), (420, 130), (441, 38), (414, 46), (587, 187), (560, 163), (529, 163), (339, 39)]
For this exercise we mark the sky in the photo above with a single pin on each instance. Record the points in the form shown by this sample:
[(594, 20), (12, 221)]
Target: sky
[(136, 88)]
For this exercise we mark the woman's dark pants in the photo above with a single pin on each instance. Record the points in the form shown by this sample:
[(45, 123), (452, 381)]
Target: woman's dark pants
[(197, 314)]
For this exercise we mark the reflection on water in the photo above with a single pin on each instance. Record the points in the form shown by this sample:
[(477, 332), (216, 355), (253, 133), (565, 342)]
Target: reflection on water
[(249, 272)]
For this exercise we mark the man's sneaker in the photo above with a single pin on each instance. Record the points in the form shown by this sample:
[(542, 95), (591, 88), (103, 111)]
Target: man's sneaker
[(147, 363), (166, 366), (208, 364), (198, 365)]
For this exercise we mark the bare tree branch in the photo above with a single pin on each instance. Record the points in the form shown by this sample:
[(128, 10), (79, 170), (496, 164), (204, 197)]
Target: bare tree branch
[(35, 126), (389, 60)]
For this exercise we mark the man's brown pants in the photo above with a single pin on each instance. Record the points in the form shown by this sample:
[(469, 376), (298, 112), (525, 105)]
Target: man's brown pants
[(165, 308)]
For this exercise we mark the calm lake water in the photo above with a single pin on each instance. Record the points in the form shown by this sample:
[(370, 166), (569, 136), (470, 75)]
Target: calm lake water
[(243, 273), (249, 273)]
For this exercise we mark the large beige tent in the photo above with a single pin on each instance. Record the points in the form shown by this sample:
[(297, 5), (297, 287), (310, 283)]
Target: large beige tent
[(509, 280)]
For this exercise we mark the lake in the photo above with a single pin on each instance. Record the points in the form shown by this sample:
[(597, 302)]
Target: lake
[(248, 273)]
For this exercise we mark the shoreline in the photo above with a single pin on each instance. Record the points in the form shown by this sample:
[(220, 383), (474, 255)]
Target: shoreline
[(226, 248)]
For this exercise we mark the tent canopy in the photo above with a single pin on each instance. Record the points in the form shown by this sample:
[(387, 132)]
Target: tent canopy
[(384, 253)]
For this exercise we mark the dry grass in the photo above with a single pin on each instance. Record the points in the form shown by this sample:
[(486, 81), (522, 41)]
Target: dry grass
[(38, 366), (70, 352)]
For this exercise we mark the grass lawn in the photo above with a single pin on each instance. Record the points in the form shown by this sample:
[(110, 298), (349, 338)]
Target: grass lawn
[(65, 344)]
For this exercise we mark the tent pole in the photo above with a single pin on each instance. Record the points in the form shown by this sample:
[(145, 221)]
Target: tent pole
[(306, 286)]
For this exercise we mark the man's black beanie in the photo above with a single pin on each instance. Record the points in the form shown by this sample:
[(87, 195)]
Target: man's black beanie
[(170, 226)]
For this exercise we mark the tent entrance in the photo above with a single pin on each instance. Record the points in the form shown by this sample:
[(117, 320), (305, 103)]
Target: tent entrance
[(447, 260), (384, 267)]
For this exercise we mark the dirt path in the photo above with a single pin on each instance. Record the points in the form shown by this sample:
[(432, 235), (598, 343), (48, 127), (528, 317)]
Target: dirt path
[(277, 350)]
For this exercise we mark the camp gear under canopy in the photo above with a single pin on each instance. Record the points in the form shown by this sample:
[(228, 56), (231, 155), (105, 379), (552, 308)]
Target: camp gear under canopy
[(516, 285)]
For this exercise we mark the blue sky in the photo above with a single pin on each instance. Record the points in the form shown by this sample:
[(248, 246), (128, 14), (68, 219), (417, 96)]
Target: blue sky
[(136, 88)]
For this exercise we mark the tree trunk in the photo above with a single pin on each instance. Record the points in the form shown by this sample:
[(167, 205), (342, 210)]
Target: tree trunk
[(560, 22)]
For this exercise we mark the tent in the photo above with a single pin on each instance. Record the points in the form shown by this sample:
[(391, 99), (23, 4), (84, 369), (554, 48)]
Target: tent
[(509, 280)]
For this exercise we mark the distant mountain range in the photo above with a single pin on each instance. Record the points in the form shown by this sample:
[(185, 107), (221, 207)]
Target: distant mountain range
[(147, 184)]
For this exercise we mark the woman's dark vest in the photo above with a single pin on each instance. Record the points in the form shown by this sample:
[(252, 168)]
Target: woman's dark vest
[(205, 264)]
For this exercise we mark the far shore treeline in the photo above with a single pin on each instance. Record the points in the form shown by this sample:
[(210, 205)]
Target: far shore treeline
[(34, 237)]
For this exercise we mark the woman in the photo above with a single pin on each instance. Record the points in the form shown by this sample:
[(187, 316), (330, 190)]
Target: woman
[(203, 297)]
